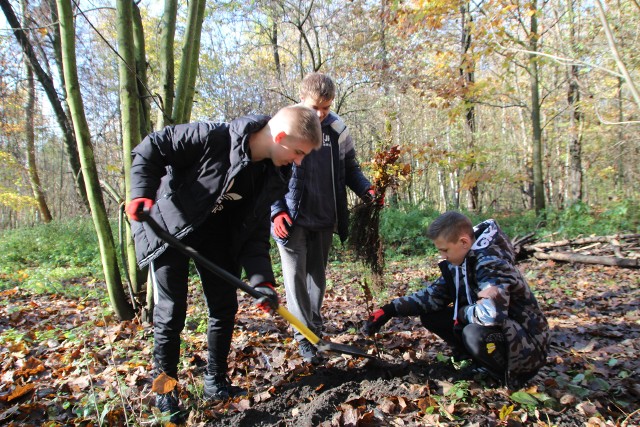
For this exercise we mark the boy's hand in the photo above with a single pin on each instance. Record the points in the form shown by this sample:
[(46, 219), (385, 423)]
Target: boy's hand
[(371, 197), (281, 224), (378, 318), (137, 206), (270, 299)]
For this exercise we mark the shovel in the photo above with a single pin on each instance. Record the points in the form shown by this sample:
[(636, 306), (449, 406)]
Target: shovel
[(320, 344)]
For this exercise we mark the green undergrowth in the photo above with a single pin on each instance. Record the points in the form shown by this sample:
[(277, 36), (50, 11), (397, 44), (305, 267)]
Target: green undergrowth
[(61, 256), (58, 257), (403, 229)]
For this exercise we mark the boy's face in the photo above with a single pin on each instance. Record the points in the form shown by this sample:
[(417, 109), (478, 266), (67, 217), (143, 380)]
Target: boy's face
[(321, 107), (287, 150), (455, 251)]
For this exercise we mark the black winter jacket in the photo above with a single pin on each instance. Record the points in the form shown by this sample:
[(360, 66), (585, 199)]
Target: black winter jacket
[(346, 173), (187, 170)]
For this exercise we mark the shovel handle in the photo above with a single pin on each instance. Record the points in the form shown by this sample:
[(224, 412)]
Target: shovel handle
[(225, 275), (189, 251), (296, 323)]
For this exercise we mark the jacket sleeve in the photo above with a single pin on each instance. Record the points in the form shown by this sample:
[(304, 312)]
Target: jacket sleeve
[(433, 297), (277, 207), (354, 178), (495, 278)]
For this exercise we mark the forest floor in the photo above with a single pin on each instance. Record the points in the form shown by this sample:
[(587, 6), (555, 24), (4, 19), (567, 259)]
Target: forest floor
[(67, 361)]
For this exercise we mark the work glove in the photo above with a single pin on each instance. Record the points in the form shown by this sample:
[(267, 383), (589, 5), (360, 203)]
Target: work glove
[(281, 224), (371, 197), (378, 318), (137, 206), (270, 299)]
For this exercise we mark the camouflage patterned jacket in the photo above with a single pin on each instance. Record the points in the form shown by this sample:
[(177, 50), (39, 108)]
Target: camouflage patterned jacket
[(488, 290)]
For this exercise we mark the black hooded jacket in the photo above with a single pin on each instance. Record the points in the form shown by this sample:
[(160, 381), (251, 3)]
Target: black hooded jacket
[(188, 170)]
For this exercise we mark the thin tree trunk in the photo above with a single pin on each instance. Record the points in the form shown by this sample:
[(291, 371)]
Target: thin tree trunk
[(34, 178), (467, 72), (47, 84), (167, 68), (273, 38), (575, 143), (193, 72), (538, 179), (129, 109), (117, 296), (189, 55), (140, 56)]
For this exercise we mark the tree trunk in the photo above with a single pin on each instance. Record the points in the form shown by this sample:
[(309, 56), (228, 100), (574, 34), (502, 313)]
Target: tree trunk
[(467, 73), (117, 296), (193, 72), (129, 109), (538, 180), (167, 36), (188, 64), (273, 38), (47, 84), (34, 178), (140, 55), (575, 119)]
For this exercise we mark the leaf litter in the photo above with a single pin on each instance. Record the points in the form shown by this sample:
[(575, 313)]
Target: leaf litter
[(70, 362)]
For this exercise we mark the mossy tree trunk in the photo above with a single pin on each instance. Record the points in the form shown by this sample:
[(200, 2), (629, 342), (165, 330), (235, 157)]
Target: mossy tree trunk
[(130, 108), (117, 296)]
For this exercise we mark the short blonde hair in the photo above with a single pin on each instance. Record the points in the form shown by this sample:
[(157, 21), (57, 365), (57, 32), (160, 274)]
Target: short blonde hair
[(317, 86), (300, 122), (451, 226)]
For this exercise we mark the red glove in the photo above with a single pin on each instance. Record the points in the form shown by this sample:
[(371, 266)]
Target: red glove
[(137, 206), (373, 197), (281, 224), (378, 318), (270, 299)]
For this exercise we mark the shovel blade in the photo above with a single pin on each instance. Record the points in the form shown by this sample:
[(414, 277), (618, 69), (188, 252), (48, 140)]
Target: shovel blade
[(343, 348)]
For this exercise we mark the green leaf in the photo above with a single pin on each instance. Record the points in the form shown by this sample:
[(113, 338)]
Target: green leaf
[(547, 401), (524, 398), (578, 391), (599, 384), (441, 357)]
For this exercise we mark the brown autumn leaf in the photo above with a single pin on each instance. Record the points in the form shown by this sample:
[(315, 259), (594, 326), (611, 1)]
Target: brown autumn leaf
[(31, 367), (426, 402), (164, 384), (18, 392), (388, 405), (350, 415)]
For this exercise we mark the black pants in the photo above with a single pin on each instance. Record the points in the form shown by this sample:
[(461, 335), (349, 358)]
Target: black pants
[(170, 273), (485, 344)]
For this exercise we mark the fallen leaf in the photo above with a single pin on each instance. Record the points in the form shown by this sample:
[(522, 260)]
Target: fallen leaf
[(163, 384)]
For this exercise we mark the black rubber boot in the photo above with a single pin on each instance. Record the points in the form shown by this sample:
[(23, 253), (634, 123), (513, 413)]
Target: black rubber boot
[(218, 387)]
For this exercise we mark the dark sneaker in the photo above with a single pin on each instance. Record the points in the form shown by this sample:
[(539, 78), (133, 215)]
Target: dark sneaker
[(218, 387), (168, 403), (308, 351), (489, 376)]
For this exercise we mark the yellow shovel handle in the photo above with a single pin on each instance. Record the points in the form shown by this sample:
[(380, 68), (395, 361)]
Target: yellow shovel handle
[(296, 323)]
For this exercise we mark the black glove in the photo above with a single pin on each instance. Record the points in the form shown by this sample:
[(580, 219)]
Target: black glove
[(270, 299), (378, 318)]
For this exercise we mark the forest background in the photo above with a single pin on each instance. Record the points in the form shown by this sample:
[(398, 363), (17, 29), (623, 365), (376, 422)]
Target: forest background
[(493, 103)]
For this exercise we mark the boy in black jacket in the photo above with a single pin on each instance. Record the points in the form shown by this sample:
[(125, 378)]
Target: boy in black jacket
[(211, 185)]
